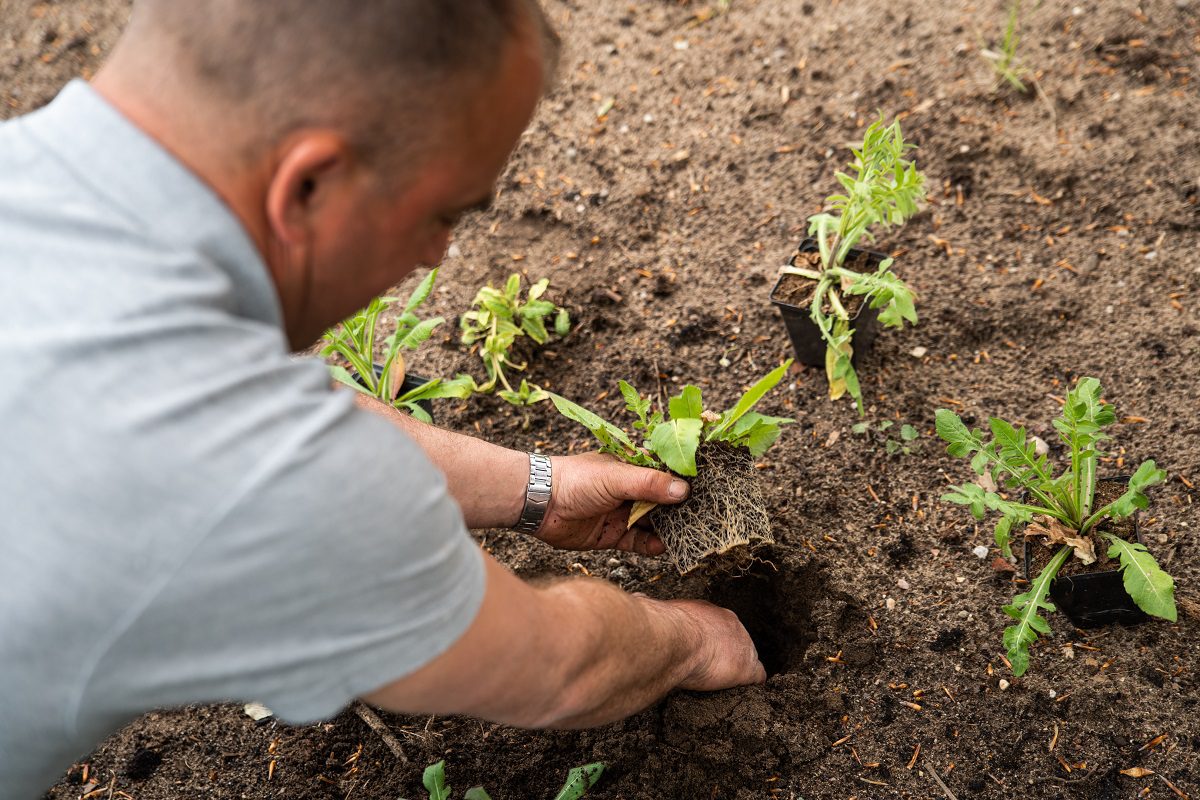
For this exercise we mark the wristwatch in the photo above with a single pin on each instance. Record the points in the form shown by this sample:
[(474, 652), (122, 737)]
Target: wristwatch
[(537, 494)]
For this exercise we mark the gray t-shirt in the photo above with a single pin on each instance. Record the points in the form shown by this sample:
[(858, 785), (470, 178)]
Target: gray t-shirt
[(188, 513)]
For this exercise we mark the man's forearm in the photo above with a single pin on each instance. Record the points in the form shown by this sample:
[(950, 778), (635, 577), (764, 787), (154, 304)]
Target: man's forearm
[(487, 480), (575, 653)]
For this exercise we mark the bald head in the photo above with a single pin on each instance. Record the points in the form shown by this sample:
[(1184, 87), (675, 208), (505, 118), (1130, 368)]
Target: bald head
[(386, 72)]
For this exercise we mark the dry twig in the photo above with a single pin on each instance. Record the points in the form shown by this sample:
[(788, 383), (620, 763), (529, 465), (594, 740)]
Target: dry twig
[(376, 724)]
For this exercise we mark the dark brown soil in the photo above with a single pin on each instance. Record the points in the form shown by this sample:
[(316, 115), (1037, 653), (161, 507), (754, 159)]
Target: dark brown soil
[(1060, 241), (797, 290)]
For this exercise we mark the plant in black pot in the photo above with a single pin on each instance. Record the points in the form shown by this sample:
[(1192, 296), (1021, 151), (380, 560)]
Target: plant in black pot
[(725, 512), (355, 340), (830, 288), (1112, 576)]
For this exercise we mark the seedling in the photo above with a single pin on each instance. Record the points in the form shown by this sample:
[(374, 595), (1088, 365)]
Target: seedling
[(1004, 61), (1061, 509), (499, 318), (579, 780), (893, 447), (884, 190), (725, 508), (355, 341)]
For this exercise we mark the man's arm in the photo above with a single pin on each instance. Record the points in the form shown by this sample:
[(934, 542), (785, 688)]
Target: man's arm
[(575, 653), (589, 505)]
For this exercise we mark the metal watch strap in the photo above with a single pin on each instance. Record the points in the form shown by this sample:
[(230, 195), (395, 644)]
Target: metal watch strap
[(537, 494)]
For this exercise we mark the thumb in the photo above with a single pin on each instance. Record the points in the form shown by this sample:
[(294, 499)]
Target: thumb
[(642, 483)]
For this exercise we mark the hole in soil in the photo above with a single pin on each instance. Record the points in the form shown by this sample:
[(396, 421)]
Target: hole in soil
[(773, 599)]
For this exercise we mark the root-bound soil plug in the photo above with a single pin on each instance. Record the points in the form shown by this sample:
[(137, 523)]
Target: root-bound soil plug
[(726, 509), (724, 515)]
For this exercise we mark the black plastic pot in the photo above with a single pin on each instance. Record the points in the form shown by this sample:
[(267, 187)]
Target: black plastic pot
[(410, 382), (1094, 599), (806, 338)]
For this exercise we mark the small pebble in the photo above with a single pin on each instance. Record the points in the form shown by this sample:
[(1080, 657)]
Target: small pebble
[(980, 551), (959, 579), (1053, 694), (903, 584), (1004, 684), (890, 603), (1039, 446), (614, 562), (619, 574), (918, 352), (454, 251), (682, 44)]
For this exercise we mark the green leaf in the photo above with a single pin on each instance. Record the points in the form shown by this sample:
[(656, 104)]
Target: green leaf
[(756, 432), (748, 400), (513, 286), (1152, 589), (535, 329), (860, 427), (1003, 535), (950, 428), (476, 793), (1147, 475), (687, 405), (538, 289), (562, 322), (675, 442), (613, 438), (420, 333), (421, 293), (908, 433), (342, 376), (1026, 609), (434, 780), (579, 780)]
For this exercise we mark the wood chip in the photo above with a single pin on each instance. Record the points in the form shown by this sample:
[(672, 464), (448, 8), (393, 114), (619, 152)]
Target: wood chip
[(1137, 772)]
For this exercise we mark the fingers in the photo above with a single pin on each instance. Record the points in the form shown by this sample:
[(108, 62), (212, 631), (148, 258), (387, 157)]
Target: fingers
[(627, 482), (641, 541), (725, 655)]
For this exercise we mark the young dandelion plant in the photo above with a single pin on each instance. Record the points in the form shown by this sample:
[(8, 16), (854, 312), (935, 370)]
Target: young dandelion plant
[(1061, 509)]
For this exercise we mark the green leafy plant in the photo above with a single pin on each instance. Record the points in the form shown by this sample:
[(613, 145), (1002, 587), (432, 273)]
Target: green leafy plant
[(884, 189), (901, 446), (1061, 508), (672, 439), (497, 319), (725, 509), (579, 780), (355, 340), (1004, 61)]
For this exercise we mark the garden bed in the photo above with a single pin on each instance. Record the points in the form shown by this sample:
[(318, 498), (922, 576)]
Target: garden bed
[(1057, 244)]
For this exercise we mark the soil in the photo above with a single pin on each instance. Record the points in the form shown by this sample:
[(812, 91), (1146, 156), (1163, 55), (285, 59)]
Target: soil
[(797, 290), (1059, 241)]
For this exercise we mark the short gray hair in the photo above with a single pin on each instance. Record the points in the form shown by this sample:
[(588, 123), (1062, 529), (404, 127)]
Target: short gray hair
[(283, 64)]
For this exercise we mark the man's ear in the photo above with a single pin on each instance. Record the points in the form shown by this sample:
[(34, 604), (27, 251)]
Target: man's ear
[(308, 165)]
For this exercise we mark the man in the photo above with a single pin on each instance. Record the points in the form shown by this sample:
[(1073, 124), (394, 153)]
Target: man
[(190, 514)]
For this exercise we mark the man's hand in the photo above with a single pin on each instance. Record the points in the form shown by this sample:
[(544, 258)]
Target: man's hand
[(590, 504), (724, 655)]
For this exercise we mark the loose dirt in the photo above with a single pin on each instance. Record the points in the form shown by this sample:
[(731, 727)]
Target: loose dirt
[(1060, 241)]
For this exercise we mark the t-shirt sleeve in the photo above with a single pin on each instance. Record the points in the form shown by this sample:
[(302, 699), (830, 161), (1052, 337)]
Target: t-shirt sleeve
[(339, 564)]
